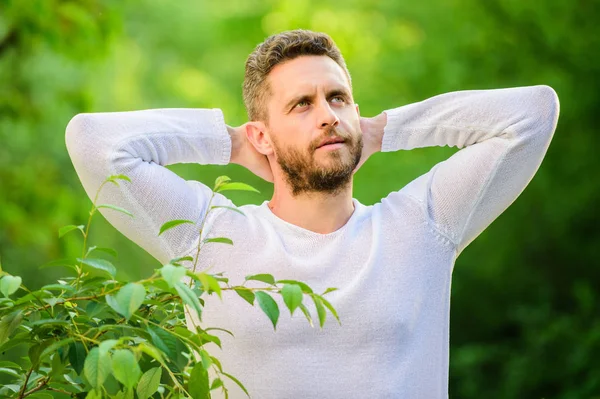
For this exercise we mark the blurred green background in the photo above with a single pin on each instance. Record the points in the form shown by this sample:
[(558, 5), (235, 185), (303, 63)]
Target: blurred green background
[(525, 298)]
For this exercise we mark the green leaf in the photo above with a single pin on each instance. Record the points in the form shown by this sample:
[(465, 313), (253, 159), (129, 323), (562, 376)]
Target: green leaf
[(292, 296), (116, 208), (99, 264), (239, 384), (112, 178), (330, 289), (151, 350), (171, 224), (219, 329), (320, 309), (9, 371), (305, 288), (9, 285), (307, 314), (128, 299), (269, 306), (56, 346), (265, 278), (65, 229), (331, 309), (94, 393), (172, 274), (236, 186), (96, 367), (149, 383), (246, 294), (210, 283), (217, 382), (188, 297), (198, 385), (224, 240), (109, 251), (59, 287), (176, 260), (220, 180), (125, 368), (205, 357), (77, 356), (228, 207), (163, 340)]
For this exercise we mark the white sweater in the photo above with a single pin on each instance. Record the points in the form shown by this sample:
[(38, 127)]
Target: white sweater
[(392, 262)]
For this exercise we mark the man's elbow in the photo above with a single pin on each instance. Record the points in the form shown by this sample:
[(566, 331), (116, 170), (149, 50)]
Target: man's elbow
[(547, 107)]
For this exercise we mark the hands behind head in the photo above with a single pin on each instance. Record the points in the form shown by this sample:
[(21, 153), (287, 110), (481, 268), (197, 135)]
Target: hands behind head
[(372, 130), (245, 154)]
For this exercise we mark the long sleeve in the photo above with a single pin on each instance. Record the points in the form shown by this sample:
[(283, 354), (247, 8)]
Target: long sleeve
[(503, 135), (140, 144)]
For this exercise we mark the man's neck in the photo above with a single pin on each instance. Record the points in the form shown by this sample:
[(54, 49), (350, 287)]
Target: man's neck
[(321, 213)]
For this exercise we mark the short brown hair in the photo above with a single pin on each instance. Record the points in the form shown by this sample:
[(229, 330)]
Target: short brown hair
[(275, 50)]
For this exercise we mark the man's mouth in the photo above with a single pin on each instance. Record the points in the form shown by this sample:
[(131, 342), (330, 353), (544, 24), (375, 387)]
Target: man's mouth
[(331, 142)]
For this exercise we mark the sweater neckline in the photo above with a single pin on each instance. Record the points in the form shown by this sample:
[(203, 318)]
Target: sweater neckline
[(302, 230)]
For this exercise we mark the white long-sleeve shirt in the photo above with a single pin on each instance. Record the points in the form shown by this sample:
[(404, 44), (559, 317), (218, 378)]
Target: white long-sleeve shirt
[(392, 262)]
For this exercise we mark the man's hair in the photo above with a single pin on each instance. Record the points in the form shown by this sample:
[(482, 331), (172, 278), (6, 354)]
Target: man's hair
[(277, 49)]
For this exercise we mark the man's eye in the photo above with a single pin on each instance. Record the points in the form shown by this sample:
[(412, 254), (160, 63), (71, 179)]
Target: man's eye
[(340, 97), (302, 102)]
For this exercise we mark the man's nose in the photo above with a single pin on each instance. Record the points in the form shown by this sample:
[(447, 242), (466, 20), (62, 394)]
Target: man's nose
[(327, 117)]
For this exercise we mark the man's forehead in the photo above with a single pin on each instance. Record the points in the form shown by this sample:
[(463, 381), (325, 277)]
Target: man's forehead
[(305, 75)]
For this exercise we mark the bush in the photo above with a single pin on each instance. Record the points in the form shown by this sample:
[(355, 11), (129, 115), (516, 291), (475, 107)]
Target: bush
[(90, 335)]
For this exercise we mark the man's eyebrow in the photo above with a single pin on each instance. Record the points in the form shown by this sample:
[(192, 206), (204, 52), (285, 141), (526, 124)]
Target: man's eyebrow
[(307, 97)]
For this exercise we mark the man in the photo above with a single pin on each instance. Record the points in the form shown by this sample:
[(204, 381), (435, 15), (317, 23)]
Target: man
[(391, 262)]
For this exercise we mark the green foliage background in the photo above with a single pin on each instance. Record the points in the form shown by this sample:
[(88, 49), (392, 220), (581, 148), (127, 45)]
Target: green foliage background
[(524, 301)]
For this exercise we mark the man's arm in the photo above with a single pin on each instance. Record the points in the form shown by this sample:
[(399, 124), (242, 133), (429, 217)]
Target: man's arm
[(504, 135), (140, 144)]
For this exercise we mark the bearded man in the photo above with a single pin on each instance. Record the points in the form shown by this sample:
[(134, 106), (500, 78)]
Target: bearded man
[(392, 262)]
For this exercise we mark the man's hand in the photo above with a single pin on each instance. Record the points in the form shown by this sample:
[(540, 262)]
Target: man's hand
[(372, 130), (243, 153)]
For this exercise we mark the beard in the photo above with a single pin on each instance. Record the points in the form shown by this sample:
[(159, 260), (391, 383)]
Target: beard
[(305, 173)]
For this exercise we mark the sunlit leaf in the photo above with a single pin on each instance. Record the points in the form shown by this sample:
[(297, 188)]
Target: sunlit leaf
[(265, 278), (8, 324), (149, 383), (96, 367), (236, 187), (188, 297), (128, 299), (331, 309), (116, 208), (171, 224), (198, 385), (246, 294), (100, 264), (223, 240), (320, 309), (239, 384), (292, 296), (220, 180), (305, 288), (304, 310), (172, 274), (9, 285), (125, 367)]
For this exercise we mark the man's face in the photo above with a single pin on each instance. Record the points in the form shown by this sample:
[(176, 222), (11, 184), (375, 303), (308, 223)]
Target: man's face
[(311, 101)]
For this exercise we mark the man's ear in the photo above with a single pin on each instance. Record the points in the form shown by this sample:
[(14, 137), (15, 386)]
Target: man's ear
[(257, 134), (357, 110)]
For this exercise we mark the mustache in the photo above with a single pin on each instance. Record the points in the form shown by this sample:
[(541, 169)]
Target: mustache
[(331, 132)]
